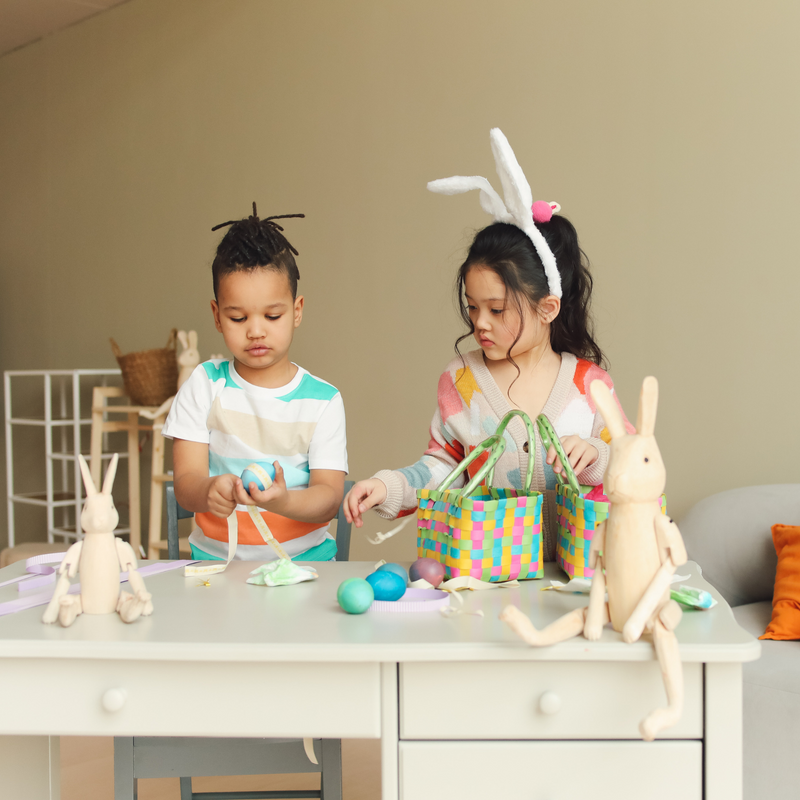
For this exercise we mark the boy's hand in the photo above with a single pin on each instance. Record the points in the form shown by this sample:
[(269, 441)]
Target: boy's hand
[(363, 496), (580, 453), (221, 497), (270, 499)]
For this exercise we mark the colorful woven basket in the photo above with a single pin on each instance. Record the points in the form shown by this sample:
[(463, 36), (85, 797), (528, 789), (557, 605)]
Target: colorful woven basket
[(577, 516), (487, 533)]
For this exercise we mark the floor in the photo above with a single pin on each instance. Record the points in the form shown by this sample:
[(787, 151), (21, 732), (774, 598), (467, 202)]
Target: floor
[(87, 770)]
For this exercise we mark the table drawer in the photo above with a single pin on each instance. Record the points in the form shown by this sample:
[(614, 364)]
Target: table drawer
[(190, 698), (551, 770), (541, 700)]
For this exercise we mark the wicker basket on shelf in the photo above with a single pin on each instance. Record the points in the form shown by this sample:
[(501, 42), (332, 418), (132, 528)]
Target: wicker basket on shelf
[(150, 376)]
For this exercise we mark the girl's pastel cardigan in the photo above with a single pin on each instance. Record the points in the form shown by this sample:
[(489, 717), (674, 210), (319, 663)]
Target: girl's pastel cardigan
[(470, 407)]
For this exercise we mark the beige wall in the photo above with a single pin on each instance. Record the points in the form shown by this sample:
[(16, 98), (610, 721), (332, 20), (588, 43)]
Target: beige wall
[(668, 132)]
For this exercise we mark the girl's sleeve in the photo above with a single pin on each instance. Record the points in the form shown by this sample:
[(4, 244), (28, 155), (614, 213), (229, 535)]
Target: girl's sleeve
[(593, 474), (443, 455)]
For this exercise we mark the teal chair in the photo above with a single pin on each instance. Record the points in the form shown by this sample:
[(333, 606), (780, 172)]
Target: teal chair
[(185, 757)]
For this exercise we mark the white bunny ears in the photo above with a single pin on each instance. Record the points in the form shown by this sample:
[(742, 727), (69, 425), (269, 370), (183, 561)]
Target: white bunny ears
[(518, 208)]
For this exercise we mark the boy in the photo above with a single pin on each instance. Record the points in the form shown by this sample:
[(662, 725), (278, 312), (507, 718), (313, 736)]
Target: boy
[(259, 407)]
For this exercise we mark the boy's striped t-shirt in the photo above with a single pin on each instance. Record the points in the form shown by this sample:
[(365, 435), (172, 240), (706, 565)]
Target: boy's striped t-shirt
[(300, 425)]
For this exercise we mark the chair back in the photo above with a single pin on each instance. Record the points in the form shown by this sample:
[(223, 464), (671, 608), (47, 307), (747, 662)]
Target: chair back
[(175, 512), (729, 535)]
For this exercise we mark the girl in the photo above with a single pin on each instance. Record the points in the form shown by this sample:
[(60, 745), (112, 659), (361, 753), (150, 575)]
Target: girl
[(524, 291)]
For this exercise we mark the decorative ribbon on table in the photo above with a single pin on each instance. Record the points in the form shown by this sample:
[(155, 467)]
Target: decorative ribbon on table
[(203, 568)]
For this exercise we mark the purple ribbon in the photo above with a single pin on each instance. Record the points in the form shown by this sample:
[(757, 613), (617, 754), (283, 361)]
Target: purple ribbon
[(40, 599)]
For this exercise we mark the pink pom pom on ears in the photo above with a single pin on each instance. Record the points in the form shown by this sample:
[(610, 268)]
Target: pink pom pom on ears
[(543, 212)]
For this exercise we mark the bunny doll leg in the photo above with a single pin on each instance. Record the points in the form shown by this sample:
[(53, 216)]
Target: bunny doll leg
[(70, 607), (563, 628), (669, 658), (140, 591), (130, 607)]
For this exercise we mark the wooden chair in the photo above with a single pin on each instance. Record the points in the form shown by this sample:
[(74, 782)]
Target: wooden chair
[(183, 757)]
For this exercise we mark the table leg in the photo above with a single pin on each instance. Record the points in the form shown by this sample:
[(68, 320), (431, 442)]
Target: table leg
[(722, 745), (30, 767), (390, 732)]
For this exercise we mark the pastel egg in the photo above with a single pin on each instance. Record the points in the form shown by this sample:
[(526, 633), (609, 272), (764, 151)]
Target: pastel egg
[(396, 568), (427, 569), (261, 475), (386, 585), (355, 595)]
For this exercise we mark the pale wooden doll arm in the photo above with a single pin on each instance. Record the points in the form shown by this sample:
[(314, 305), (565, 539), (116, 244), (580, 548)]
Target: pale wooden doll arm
[(71, 560), (670, 546), (127, 562), (670, 541), (66, 570), (595, 613)]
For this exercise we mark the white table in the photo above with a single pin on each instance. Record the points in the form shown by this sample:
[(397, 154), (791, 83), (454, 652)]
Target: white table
[(457, 702)]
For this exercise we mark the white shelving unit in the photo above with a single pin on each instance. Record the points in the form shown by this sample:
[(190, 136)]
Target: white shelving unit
[(63, 492)]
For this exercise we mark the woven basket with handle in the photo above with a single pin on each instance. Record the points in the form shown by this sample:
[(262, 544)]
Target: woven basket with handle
[(150, 376)]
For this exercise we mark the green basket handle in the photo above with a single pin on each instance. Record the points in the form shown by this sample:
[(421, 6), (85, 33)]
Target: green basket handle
[(550, 439), (496, 445), (526, 486)]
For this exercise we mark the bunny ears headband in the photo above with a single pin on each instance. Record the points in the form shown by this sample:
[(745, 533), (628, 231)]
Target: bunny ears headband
[(518, 208)]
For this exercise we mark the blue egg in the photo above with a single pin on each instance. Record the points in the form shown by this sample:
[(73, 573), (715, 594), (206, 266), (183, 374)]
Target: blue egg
[(251, 476), (386, 585), (355, 595), (396, 568)]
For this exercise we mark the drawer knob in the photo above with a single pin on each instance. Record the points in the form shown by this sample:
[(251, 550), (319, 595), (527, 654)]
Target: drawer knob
[(549, 703), (114, 699)]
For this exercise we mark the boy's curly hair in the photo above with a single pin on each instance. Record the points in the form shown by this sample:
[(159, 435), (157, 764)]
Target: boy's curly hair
[(251, 243)]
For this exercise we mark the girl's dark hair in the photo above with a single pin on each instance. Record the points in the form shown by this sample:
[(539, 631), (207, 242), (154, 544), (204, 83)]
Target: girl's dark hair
[(509, 253), (251, 243)]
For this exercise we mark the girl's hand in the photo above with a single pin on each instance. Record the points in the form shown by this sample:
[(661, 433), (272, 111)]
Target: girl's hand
[(580, 453), (363, 496), (271, 499), (221, 497)]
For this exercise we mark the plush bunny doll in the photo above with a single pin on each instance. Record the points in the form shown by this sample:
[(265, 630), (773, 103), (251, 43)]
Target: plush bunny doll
[(99, 557), (634, 554)]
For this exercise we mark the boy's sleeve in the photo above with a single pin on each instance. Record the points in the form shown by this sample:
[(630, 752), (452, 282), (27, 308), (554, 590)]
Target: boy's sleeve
[(328, 448), (188, 417)]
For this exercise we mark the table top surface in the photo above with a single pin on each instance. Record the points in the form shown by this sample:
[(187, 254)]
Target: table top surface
[(231, 620)]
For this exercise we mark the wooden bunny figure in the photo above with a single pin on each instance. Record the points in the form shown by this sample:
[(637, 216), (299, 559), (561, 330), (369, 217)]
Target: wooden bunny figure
[(99, 558), (189, 357), (634, 555)]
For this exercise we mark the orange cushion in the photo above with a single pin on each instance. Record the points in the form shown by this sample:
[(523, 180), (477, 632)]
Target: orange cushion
[(785, 622)]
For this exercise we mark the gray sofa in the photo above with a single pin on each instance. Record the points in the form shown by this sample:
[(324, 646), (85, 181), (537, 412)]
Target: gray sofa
[(728, 535)]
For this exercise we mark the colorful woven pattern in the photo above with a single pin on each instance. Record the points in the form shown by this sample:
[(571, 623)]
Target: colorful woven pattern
[(578, 519), (493, 535)]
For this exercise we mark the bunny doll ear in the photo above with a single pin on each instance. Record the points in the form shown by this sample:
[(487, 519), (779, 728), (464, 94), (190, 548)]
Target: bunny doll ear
[(183, 340), (110, 474), (607, 406), (91, 490), (193, 339), (648, 405)]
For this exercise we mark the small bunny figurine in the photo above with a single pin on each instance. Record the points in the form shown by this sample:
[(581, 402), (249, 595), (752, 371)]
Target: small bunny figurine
[(99, 558), (634, 554), (189, 358)]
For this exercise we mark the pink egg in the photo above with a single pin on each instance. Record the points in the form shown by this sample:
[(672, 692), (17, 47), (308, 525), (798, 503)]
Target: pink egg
[(428, 569)]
